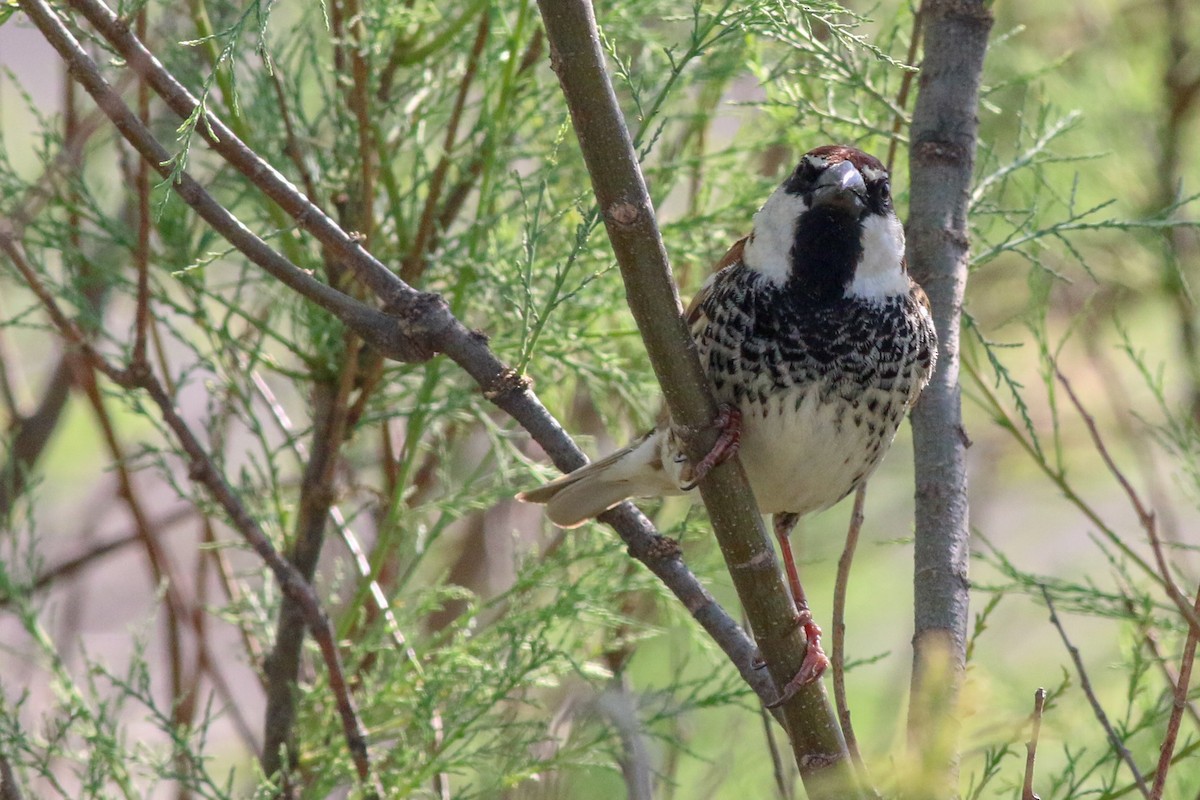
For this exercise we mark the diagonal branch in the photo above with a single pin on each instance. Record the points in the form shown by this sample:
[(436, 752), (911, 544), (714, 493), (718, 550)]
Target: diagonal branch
[(1086, 685), (576, 58), (204, 471), (418, 324)]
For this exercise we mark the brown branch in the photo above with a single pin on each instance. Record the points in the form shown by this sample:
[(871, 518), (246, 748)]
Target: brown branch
[(576, 57), (1039, 704), (1144, 514), (9, 788), (31, 433), (906, 82), (1098, 710), (317, 494), (419, 323), (161, 569), (839, 633), (414, 263), (941, 161), (1179, 704)]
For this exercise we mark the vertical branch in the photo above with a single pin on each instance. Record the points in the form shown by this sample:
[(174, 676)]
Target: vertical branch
[(414, 262), (9, 788), (905, 87), (942, 157), (839, 631), (317, 494), (1039, 704), (1179, 704), (141, 253), (1181, 90)]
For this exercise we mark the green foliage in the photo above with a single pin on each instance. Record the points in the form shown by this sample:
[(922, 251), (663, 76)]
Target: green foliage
[(483, 648)]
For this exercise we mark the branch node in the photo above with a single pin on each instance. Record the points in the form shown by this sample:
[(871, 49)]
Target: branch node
[(623, 213), (509, 380), (940, 152)]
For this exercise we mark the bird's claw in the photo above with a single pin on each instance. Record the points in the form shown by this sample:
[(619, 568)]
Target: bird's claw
[(729, 421), (814, 665)]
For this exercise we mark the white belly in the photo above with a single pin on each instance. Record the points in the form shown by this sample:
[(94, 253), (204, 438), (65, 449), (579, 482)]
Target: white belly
[(805, 459)]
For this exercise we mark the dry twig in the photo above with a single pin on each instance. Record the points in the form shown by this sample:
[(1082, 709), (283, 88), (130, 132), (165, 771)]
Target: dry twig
[(1086, 685), (1039, 704), (839, 632)]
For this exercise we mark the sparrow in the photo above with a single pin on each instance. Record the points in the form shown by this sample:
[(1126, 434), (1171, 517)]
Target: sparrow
[(817, 343)]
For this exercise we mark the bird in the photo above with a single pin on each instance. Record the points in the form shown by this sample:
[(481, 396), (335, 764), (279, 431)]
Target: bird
[(816, 342)]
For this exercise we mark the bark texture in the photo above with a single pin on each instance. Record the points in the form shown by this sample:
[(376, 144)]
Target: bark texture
[(942, 160)]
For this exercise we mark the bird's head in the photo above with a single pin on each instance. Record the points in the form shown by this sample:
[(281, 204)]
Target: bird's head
[(830, 231)]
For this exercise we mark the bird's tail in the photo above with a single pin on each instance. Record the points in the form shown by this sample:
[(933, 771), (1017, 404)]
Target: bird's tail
[(634, 471)]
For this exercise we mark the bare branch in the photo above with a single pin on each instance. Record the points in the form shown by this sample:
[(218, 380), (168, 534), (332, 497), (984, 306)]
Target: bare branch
[(1144, 514), (1179, 705), (1086, 685), (941, 162), (1039, 703), (839, 632)]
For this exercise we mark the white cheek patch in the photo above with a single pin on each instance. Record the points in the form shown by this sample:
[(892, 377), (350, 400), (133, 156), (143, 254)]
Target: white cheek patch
[(880, 273), (768, 250)]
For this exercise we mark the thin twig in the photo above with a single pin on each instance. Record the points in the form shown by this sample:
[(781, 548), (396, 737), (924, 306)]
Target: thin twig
[(1086, 685), (905, 86), (839, 633), (1039, 704), (414, 263), (1180, 703), (1145, 515), (141, 250)]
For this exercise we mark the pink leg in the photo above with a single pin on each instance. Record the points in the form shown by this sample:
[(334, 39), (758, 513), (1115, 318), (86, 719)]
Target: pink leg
[(815, 661), (729, 420)]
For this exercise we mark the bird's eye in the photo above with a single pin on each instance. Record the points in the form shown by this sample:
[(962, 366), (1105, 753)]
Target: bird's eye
[(884, 191), (806, 171)]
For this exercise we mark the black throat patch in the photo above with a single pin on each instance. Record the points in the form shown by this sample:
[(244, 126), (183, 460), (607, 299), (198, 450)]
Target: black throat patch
[(826, 250)]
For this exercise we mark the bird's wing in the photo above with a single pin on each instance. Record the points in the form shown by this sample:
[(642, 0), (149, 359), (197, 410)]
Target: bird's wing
[(696, 319), (695, 316)]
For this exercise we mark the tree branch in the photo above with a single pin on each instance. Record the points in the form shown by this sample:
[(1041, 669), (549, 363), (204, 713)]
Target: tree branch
[(414, 316), (1086, 685), (941, 161), (576, 58)]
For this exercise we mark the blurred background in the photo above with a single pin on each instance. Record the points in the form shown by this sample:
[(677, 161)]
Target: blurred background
[(517, 660)]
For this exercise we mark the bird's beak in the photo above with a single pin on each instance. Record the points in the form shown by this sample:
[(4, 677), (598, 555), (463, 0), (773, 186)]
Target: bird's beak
[(841, 185)]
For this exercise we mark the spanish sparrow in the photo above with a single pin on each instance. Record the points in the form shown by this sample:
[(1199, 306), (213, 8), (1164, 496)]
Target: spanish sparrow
[(817, 343)]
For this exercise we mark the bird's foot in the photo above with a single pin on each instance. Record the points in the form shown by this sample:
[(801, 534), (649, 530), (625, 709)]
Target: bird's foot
[(814, 665), (729, 421)]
